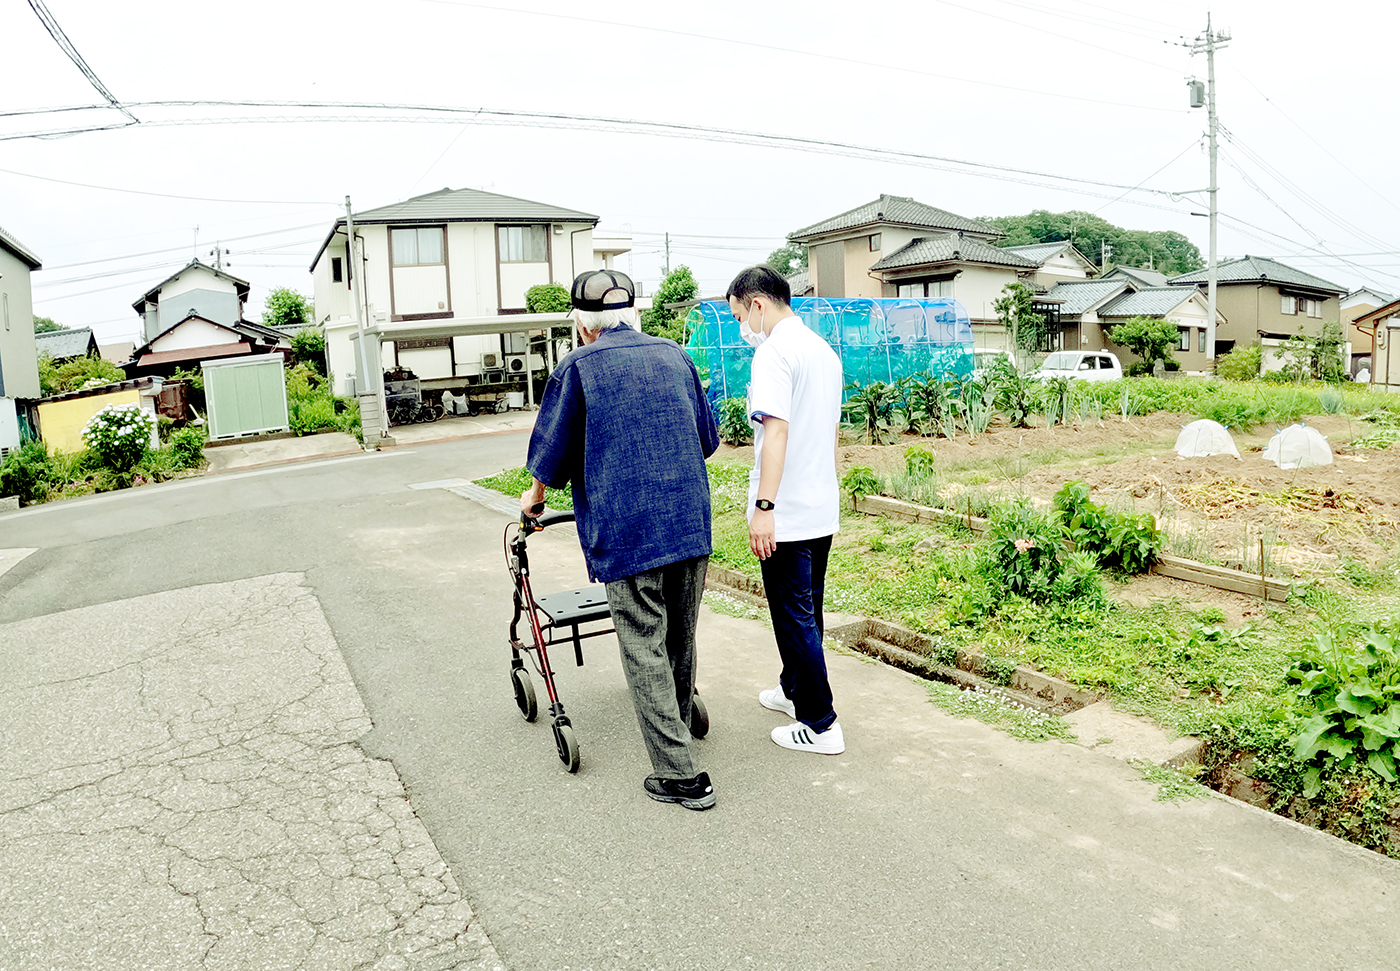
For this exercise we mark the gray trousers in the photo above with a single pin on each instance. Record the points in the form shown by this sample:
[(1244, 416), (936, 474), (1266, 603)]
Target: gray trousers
[(654, 613)]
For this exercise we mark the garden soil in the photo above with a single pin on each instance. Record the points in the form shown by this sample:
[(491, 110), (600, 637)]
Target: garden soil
[(1312, 520)]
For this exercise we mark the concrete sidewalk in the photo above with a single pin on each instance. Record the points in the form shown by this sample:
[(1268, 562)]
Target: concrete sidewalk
[(240, 455)]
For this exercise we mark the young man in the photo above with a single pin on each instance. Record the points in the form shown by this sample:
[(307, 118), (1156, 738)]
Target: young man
[(794, 500), (625, 420)]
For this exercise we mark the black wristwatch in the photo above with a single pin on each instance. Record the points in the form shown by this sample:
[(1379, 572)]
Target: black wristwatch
[(765, 504)]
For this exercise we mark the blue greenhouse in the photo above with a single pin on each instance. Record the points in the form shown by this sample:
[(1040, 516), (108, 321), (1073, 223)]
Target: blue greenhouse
[(876, 339)]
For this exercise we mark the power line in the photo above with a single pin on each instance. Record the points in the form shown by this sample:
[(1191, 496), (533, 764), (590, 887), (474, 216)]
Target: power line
[(66, 45), (167, 195), (177, 249), (561, 120), (791, 50)]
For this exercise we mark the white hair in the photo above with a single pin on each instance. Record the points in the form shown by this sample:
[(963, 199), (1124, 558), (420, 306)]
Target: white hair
[(593, 321)]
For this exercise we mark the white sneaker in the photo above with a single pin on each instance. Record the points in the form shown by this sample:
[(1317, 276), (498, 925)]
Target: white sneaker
[(803, 738), (775, 699)]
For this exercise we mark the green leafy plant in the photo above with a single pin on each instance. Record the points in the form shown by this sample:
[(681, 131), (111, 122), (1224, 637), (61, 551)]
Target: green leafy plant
[(1025, 552), (918, 461), (1125, 543), (76, 373), (734, 425), (1012, 392), (1015, 311), (119, 435), (187, 447), (309, 345), (679, 286), (1353, 693), (1240, 364), (548, 298), (26, 473), (860, 481), (876, 404)]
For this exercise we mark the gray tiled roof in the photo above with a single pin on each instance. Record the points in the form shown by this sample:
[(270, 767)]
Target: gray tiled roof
[(1148, 302), (1039, 252), (1082, 297), (19, 249), (1250, 269), (800, 283), (1146, 278), (461, 206), (63, 344), (897, 210), (471, 205), (950, 247)]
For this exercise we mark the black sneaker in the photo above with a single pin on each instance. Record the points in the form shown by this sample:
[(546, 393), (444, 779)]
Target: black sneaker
[(696, 793)]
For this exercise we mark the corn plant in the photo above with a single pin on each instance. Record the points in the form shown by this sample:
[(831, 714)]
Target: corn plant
[(876, 404)]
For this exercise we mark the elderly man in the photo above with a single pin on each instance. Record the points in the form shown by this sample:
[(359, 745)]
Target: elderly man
[(625, 421)]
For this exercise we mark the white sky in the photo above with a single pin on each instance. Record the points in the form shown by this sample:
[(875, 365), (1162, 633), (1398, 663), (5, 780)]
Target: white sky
[(1093, 90)]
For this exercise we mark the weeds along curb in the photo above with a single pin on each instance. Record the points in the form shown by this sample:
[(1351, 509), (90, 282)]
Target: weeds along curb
[(1177, 567), (922, 655)]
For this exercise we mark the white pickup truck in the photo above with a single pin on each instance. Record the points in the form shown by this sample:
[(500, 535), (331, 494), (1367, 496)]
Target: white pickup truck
[(1080, 365)]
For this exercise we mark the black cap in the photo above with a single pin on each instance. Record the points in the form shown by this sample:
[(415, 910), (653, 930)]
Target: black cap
[(602, 290)]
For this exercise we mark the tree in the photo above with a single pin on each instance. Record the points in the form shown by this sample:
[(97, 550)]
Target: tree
[(1167, 251), (1150, 338), (1027, 328), (46, 325), (678, 287), (309, 345), (788, 258), (285, 306)]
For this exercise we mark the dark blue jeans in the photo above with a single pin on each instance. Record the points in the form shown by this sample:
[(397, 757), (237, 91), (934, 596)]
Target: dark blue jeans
[(794, 579)]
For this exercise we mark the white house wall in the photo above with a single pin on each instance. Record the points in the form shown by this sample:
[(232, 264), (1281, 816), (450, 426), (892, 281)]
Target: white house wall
[(18, 356), (977, 288), (194, 333), (420, 290), (9, 424), (516, 278)]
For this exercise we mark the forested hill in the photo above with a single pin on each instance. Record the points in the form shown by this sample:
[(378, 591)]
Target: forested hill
[(1163, 250)]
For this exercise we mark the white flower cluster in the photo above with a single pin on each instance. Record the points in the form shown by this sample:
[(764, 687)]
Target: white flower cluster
[(115, 423)]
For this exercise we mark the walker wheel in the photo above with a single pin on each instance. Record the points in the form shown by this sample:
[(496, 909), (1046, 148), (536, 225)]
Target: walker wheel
[(524, 693), (699, 717), (567, 745)]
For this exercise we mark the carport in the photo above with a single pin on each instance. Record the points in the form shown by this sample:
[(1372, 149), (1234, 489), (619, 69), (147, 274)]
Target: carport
[(401, 330)]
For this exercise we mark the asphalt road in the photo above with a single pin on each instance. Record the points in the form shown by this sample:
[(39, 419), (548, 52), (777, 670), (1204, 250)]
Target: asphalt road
[(931, 843)]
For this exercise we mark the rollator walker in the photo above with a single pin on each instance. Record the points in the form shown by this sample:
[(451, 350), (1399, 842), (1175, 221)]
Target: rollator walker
[(580, 614)]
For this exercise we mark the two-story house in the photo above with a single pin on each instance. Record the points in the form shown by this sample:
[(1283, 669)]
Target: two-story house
[(1090, 309), (194, 315), (1266, 302), (19, 361), (895, 246), (451, 255), (1355, 305)]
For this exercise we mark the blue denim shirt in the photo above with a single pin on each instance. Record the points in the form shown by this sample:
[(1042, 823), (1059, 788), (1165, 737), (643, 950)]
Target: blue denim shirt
[(625, 421)]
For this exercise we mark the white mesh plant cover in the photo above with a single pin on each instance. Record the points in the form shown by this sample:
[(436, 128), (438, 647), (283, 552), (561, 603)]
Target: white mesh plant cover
[(1205, 437), (1298, 447)]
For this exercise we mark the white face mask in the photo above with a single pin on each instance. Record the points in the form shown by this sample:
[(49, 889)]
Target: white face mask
[(753, 337)]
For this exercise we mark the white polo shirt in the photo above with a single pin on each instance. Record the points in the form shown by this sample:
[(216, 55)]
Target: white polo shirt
[(796, 376)]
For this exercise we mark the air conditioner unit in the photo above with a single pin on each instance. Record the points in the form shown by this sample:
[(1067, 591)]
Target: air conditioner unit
[(491, 362), (515, 363)]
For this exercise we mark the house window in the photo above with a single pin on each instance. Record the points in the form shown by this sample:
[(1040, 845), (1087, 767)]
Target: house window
[(523, 244), (1314, 308), (875, 243), (337, 270), (417, 247), (1290, 305), (930, 288), (1201, 340), (1183, 335)]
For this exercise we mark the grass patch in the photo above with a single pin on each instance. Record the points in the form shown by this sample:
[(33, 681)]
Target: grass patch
[(1172, 784), (996, 708), (513, 482)]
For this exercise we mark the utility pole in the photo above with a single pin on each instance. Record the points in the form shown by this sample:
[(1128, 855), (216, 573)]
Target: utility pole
[(1105, 251), (1210, 42), (668, 254), (367, 389)]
